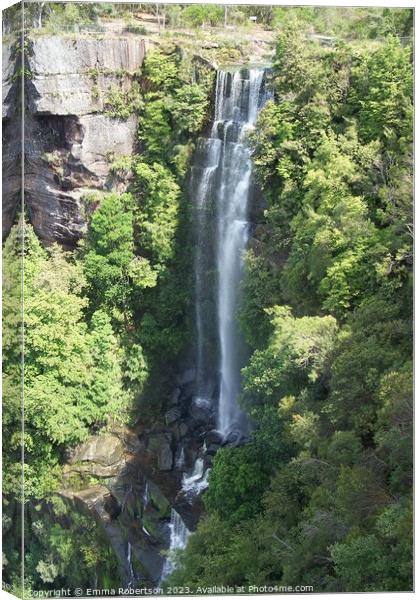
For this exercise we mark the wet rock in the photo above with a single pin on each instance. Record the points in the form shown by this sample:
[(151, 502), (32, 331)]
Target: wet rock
[(235, 438), (212, 449), (165, 458), (179, 429), (161, 445), (147, 559), (159, 501), (183, 430), (175, 396), (213, 437), (180, 464), (106, 450), (151, 528), (187, 376), (172, 415), (201, 411), (190, 512), (188, 390)]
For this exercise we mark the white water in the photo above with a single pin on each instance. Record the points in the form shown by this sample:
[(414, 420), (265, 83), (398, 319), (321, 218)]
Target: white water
[(130, 565), (221, 179), (178, 541), (220, 186), (197, 481), (180, 461), (203, 180), (240, 111), (146, 495)]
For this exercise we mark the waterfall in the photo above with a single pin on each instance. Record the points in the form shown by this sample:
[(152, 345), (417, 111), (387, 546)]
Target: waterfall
[(130, 564), (146, 495), (221, 183), (203, 182), (196, 482), (178, 540), (221, 180), (180, 461)]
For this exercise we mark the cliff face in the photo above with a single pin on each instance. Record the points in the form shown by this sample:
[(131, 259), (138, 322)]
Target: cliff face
[(12, 134), (70, 138)]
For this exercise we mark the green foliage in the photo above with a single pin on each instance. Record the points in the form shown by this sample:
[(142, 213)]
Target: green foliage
[(158, 196), (348, 23), (72, 368), (120, 103), (203, 14), (110, 264), (297, 355), (384, 94), (155, 128), (236, 484), (220, 555), (176, 103), (327, 312), (380, 561), (189, 109), (63, 545)]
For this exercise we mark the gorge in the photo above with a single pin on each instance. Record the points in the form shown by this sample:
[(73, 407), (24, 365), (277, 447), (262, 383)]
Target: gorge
[(217, 244), (67, 156), (220, 187)]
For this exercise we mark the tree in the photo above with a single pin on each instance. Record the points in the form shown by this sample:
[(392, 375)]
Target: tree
[(110, 264), (158, 197), (237, 480), (72, 373)]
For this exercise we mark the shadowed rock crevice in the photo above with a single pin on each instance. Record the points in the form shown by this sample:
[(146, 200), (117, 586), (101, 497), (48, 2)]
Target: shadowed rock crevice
[(71, 139)]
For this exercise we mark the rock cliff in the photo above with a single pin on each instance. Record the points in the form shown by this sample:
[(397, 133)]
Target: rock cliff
[(127, 481), (71, 135)]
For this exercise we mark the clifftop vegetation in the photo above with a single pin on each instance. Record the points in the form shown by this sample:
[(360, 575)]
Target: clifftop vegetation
[(224, 34), (321, 495)]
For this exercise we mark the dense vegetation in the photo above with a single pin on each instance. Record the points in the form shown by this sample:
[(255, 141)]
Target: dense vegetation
[(99, 323), (322, 494), (349, 22)]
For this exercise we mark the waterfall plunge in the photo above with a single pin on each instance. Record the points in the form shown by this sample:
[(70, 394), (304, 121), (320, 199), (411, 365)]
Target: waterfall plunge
[(220, 186), (222, 176), (178, 540)]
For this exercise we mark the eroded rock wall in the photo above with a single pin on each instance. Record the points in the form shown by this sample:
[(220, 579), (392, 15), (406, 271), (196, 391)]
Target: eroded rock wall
[(70, 140)]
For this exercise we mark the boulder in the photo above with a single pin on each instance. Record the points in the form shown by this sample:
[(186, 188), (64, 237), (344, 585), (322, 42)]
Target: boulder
[(161, 445), (213, 437), (159, 501), (187, 376), (175, 396), (235, 438), (172, 415), (201, 411), (165, 458), (212, 449), (183, 430), (106, 449)]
